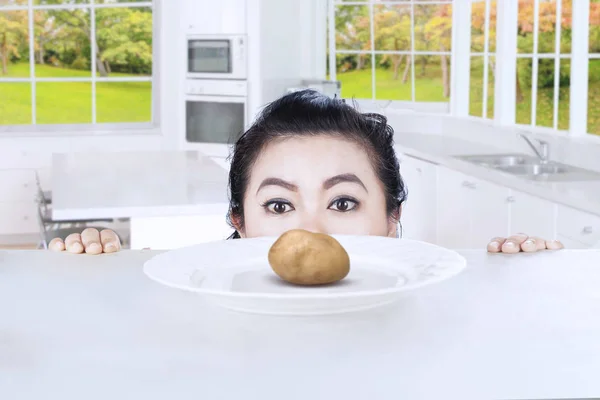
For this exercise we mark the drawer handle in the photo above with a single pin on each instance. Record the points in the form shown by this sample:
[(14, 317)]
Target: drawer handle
[(469, 185), (510, 199), (587, 230)]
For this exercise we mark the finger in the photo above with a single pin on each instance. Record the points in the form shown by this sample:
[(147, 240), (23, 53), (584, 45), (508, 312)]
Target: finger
[(541, 243), (554, 245), (110, 241), (73, 243), (90, 238), (513, 243), (529, 245), (56, 244), (495, 245)]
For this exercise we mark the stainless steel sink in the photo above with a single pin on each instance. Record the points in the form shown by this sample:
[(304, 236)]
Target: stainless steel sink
[(531, 168), (535, 169), (499, 160)]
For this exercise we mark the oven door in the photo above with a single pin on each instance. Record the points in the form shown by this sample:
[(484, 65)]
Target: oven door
[(216, 120), (216, 57)]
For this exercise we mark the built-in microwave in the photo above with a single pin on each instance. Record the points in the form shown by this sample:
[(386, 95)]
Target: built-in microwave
[(216, 57)]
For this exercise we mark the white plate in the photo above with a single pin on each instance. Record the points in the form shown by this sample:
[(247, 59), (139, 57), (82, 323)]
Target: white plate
[(236, 274)]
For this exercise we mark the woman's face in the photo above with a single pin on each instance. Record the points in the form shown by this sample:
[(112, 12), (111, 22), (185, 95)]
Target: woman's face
[(321, 184)]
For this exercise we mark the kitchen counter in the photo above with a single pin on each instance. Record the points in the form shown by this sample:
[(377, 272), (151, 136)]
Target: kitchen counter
[(441, 150), (137, 184), (95, 327)]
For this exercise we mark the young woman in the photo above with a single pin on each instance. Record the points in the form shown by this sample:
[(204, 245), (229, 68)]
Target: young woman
[(316, 163)]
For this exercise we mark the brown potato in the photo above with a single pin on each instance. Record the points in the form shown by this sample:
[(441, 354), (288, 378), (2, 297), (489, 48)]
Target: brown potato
[(305, 258)]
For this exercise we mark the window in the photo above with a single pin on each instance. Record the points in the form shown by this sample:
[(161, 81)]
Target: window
[(593, 103), (76, 62), (533, 63), (482, 59), (544, 63), (391, 50)]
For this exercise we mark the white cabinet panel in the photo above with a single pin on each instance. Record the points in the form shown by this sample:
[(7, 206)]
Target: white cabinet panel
[(166, 233), (215, 17), (18, 218), (17, 185), (453, 209), (419, 211), (470, 211), (578, 225), (489, 213), (532, 216), (571, 244)]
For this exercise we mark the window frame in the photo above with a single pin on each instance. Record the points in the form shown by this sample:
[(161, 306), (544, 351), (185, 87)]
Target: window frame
[(383, 104), (506, 66), (90, 129)]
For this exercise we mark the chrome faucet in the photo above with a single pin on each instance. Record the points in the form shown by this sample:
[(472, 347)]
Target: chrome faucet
[(543, 151)]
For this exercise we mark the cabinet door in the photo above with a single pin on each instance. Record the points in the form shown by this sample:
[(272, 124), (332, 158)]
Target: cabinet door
[(453, 209), (419, 211), (577, 225), (215, 17), (532, 216), (489, 213)]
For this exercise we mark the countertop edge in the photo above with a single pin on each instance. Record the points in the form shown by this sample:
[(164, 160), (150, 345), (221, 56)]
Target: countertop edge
[(541, 191)]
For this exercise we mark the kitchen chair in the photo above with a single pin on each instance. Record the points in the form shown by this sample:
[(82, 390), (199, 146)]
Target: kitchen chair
[(44, 202), (55, 229), (51, 228)]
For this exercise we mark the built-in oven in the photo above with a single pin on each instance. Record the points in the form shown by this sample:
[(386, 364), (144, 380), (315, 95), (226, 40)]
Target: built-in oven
[(216, 114), (216, 57)]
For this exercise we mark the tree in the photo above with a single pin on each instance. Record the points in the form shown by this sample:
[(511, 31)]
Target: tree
[(352, 29), (439, 32), (124, 36), (13, 31), (393, 33)]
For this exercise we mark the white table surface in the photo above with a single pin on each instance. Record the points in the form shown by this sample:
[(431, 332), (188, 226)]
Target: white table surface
[(94, 327), (137, 184)]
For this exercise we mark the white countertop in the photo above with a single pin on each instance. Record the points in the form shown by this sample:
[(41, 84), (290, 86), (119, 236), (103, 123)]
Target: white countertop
[(95, 327), (137, 184), (175, 183), (441, 150)]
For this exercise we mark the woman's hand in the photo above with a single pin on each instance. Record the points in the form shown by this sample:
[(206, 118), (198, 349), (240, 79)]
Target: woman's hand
[(521, 243), (90, 241)]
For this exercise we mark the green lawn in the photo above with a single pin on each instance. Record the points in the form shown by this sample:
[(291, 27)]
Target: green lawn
[(428, 87), (71, 102)]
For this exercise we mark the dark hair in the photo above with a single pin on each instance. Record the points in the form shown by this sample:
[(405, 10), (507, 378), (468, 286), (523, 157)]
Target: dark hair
[(309, 113)]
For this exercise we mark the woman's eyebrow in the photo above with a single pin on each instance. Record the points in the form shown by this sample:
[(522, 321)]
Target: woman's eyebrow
[(277, 182), (334, 180)]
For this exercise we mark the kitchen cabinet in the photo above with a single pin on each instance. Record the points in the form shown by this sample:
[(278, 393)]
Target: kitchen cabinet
[(470, 211), (215, 17), (532, 215), (18, 218), (489, 212), (165, 233), (17, 202), (578, 226), (453, 209), (418, 217)]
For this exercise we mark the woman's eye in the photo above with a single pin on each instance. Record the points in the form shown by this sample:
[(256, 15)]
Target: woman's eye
[(279, 207), (343, 205)]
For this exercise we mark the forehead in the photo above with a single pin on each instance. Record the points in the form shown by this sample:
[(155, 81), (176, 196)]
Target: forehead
[(316, 157)]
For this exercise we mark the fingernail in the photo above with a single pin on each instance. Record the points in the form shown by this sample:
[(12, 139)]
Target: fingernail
[(75, 248), (494, 243), (529, 241), (110, 247), (509, 244), (94, 248)]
